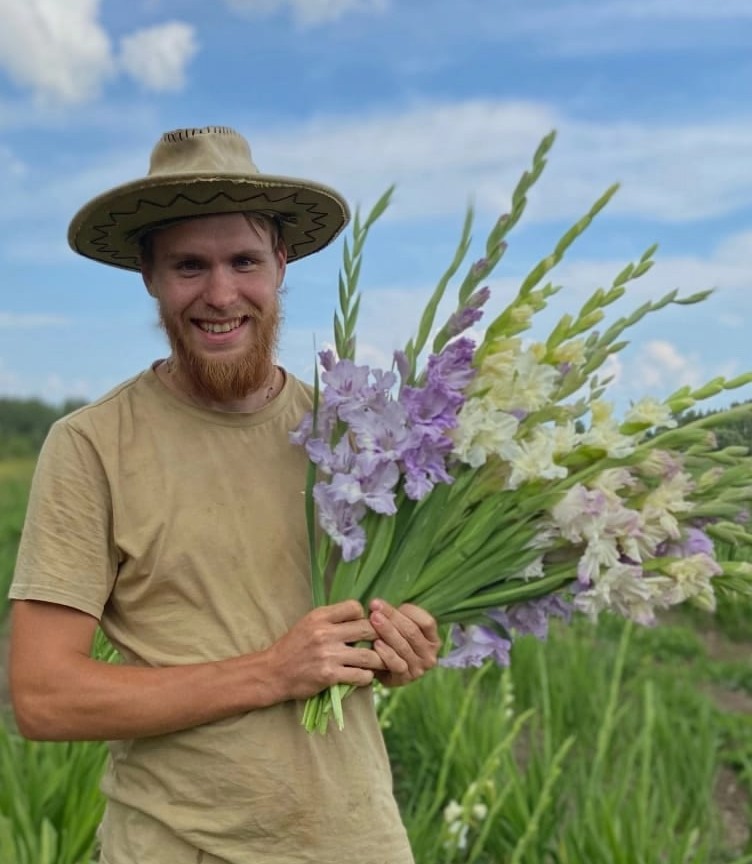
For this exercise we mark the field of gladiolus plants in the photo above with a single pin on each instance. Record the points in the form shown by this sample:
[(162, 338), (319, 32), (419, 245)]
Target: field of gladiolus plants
[(606, 744)]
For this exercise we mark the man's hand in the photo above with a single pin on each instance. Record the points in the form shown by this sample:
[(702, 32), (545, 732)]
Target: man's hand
[(321, 649), (407, 641)]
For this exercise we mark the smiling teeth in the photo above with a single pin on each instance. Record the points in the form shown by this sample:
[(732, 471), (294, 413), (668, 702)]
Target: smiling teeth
[(216, 327)]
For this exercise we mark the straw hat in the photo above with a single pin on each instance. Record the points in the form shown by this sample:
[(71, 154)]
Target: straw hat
[(200, 172)]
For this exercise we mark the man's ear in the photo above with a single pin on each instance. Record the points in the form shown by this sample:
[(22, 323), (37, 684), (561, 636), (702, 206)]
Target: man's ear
[(146, 276), (281, 253)]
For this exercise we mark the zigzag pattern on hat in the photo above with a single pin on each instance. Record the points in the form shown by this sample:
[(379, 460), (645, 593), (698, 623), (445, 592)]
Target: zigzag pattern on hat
[(102, 232)]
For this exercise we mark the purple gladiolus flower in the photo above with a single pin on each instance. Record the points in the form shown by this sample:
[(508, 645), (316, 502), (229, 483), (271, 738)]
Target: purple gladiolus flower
[(469, 314), (302, 433), (344, 382), (480, 266), (474, 645), (532, 616), (432, 406), (452, 369), (328, 359), (384, 431), (693, 542), (341, 521), (371, 482), (424, 468)]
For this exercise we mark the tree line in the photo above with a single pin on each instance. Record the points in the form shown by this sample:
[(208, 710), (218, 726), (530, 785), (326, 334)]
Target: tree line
[(24, 424)]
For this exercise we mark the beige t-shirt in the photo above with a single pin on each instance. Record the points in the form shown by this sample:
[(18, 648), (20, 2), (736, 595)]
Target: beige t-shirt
[(183, 530)]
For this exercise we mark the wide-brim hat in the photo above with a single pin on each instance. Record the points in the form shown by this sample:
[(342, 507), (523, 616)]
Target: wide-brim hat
[(203, 172)]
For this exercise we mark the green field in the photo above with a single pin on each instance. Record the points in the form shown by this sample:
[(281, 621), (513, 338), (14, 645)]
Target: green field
[(15, 477), (607, 745)]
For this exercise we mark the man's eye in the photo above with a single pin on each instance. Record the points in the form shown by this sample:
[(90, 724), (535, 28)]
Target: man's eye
[(188, 265), (244, 262)]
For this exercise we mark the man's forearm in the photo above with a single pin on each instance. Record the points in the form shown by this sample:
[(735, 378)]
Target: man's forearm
[(92, 700)]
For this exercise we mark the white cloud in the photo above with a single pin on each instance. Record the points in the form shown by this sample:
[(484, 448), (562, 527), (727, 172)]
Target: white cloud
[(58, 50), (441, 154), (30, 320), (438, 153), (157, 56), (61, 52), (661, 365), (308, 13)]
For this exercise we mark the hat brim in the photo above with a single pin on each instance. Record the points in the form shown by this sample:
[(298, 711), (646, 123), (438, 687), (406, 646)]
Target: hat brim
[(108, 228)]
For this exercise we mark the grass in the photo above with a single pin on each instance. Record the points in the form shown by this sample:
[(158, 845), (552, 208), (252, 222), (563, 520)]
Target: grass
[(585, 750), (15, 477)]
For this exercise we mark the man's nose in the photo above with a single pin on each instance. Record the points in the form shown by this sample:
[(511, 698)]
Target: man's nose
[(221, 290)]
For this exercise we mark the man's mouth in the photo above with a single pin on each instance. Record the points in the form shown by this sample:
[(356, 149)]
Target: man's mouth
[(220, 326)]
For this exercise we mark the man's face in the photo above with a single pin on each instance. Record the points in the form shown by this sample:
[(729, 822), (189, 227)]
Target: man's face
[(217, 281)]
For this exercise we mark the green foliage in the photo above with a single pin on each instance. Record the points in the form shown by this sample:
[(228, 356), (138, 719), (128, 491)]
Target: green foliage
[(50, 803), (733, 431), (597, 746), (15, 478), (24, 423)]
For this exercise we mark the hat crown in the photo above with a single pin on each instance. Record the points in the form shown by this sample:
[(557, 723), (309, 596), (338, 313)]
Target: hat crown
[(207, 150)]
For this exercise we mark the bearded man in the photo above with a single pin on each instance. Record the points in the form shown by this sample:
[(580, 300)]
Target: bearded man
[(170, 512)]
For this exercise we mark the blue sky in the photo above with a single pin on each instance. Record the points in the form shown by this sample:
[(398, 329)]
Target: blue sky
[(448, 100)]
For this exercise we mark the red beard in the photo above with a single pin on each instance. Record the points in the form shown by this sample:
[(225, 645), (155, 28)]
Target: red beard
[(228, 380)]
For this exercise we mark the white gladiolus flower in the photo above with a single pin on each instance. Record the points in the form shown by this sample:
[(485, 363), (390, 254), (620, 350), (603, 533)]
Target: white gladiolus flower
[(482, 430), (480, 811), (523, 384), (534, 459), (453, 811), (650, 412), (624, 590), (607, 437)]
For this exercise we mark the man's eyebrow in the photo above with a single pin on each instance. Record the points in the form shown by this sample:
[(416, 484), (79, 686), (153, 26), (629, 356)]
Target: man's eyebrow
[(194, 253)]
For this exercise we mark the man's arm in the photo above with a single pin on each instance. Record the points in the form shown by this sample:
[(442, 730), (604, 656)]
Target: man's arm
[(60, 693)]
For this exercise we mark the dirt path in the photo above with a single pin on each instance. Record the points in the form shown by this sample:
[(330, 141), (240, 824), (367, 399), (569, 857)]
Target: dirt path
[(732, 798)]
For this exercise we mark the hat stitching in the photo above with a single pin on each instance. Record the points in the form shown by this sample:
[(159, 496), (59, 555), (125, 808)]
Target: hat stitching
[(115, 217)]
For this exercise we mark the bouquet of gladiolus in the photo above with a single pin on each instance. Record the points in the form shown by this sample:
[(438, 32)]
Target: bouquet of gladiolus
[(491, 484)]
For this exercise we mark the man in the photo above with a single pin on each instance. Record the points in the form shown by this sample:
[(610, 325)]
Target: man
[(171, 512)]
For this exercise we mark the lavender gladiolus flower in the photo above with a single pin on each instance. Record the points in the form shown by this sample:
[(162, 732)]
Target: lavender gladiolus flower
[(474, 645), (469, 314), (452, 368), (693, 542), (532, 617), (345, 381)]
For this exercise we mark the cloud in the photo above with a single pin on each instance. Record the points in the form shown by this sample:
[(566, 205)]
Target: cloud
[(157, 56), (442, 154), (437, 153), (662, 366), (58, 50), (30, 320), (308, 13), (63, 54)]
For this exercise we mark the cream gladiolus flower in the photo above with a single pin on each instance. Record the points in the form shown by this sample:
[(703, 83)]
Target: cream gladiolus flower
[(481, 431), (650, 412), (532, 460), (692, 577), (570, 352)]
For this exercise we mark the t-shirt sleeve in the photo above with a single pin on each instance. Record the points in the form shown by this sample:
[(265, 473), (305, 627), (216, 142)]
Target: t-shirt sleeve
[(67, 554)]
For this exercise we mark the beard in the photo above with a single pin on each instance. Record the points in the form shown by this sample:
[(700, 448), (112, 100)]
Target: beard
[(227, 380)]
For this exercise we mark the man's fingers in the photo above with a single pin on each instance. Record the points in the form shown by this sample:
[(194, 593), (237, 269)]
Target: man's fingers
[(423, 619), (345, 610)]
